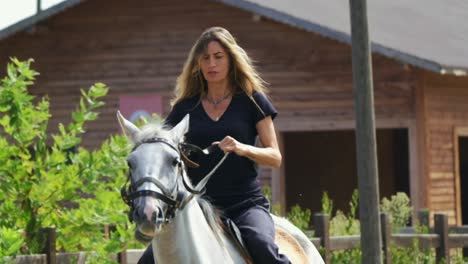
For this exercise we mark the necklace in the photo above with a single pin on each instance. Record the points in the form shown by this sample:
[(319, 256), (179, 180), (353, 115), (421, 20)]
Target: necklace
[(215, 103)]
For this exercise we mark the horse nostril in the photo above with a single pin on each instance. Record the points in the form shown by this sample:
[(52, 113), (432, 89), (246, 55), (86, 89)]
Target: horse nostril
[(154, 217), (158, 215), (141, 214), (137, 213)]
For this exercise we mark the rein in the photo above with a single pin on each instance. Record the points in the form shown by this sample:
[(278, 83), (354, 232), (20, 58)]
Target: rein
[(173, 197)]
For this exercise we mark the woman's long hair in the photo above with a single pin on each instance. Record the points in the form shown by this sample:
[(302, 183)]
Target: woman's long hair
[(242, 73)]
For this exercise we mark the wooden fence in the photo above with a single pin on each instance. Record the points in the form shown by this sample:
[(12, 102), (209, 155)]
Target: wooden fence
[(442, 238), (50, 256)]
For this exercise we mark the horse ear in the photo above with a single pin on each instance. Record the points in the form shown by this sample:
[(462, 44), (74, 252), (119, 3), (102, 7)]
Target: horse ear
[(128, 128), (181, 128)]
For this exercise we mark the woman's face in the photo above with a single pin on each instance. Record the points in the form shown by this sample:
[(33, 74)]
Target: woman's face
[(214, 63)]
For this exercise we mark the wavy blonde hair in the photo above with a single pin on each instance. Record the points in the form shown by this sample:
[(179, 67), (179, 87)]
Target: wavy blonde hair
[(242, 73)]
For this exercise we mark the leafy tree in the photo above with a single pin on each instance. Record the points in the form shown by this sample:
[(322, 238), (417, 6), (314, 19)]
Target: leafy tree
[(51, 181)]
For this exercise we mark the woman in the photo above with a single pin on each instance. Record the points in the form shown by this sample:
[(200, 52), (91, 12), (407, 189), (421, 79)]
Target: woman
[(224, 96)]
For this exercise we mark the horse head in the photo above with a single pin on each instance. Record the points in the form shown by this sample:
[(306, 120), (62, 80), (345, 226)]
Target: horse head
[(154, 191)]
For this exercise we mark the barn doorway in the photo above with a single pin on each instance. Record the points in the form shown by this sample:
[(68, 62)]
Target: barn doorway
[(463, 161), (326, 161)]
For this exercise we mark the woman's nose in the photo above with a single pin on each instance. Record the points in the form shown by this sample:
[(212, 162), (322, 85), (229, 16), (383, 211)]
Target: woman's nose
[(212, 62)]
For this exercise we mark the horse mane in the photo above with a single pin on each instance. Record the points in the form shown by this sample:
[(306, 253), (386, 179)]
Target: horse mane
[(213, 217), (153, 129)]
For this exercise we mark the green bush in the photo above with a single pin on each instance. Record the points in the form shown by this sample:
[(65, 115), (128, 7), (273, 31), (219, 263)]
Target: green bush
[(398, 209), (52, 181), (299, 217), (327, 204), (342, 224), (10, 242)]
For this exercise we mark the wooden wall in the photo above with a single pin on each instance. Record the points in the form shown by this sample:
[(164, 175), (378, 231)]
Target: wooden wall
[(446, 110), (140, 49)]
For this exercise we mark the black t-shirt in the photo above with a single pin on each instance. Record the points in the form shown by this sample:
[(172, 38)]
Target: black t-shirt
[(236, 178)]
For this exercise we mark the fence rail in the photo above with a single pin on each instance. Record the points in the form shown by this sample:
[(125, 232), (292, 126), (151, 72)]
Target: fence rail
[(442, 238)]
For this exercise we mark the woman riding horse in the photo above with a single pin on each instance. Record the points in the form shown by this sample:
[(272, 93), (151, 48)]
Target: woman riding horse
[(225, 97)]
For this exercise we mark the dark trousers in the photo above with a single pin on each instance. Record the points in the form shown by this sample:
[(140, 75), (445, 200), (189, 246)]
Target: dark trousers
[(257, 228)]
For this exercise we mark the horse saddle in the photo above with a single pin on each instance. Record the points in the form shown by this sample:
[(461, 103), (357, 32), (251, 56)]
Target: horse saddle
[(234, 232)]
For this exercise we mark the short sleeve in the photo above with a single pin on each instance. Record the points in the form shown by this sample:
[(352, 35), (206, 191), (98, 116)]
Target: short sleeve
[(175, 116), (179, 111), (263, 107)]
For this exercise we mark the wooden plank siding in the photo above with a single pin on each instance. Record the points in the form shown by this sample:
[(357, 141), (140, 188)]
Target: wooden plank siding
[(447, 109), (140, 49)]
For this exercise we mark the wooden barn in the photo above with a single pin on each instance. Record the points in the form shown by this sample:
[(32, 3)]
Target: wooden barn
[(302, 49)]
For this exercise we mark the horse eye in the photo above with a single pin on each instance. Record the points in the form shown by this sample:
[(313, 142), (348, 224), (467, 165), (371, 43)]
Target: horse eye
[(176, 162), (129, 165)]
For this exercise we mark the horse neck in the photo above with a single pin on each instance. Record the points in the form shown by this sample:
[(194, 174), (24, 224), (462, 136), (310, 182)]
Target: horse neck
[(190, 239)]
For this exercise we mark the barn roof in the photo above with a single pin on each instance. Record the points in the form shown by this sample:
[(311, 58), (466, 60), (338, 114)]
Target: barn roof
[(43, 14), (430, 34)]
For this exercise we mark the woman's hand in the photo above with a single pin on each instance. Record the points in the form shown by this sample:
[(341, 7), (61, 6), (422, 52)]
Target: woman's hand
[(229, 144), (269, 154)]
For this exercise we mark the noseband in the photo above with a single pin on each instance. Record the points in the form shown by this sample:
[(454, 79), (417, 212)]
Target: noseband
[(130, 192)]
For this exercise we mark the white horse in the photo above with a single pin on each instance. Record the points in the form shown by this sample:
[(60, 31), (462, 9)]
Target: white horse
[(168, 210)]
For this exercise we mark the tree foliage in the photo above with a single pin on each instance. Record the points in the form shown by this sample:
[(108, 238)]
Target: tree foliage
[(50, 180)]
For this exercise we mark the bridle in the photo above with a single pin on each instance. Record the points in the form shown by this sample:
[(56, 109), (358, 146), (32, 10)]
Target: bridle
[(175, 197)]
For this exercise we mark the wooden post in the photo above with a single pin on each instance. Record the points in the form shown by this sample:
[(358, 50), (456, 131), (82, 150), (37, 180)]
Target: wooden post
[(322, 230), (386, 238), (49, 237), (38, 9), (441, 228), (366, 149), (122, 255)]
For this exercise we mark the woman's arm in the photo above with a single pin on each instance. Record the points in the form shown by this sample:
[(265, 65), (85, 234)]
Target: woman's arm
[(268, 155)]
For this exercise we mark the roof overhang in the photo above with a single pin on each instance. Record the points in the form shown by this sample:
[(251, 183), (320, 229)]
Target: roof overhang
[(39, 16), (273, 14), (344, 37)]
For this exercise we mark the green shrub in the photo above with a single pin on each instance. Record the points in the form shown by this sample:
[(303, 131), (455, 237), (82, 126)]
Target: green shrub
[(412, 254), (327, 204), (299, 217), (398, 209), (10, 242), (52, 181), (341, 225)]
